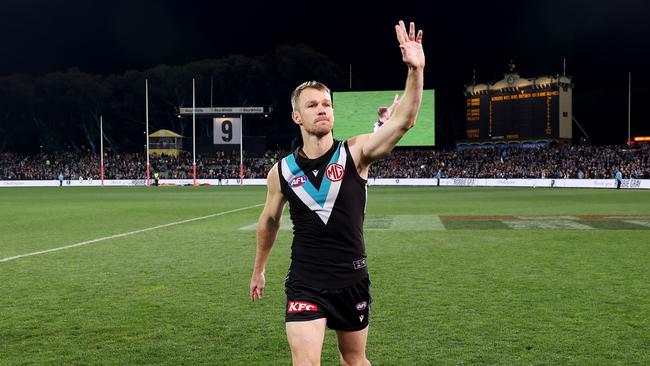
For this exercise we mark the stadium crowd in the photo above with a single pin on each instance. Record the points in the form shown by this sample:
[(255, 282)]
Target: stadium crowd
[(47, 166), (577, 162), (554, 162)]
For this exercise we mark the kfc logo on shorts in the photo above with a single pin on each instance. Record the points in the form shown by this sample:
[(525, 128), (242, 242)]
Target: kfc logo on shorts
[(298, 181), (362, 305), (335, 172), (300, 306)]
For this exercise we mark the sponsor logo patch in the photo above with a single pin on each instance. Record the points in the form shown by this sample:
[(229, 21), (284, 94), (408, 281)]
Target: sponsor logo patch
[(362, 305), (298, 181), (358, 264), (335, 172), (300, 306)]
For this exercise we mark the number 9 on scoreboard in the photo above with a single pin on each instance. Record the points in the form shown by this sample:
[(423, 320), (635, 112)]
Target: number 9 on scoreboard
[(227, 131)]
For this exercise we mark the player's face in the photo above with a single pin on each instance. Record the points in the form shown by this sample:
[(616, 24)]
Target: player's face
[(314, 112)]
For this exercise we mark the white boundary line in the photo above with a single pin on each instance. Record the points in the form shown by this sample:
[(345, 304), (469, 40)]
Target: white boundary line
[(125, 234)]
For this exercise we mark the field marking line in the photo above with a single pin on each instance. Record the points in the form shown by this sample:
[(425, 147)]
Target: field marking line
[(645, 223), (546, 225), (126, 234)]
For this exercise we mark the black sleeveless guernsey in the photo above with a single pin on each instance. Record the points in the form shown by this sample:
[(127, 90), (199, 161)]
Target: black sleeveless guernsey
[(327, 200)]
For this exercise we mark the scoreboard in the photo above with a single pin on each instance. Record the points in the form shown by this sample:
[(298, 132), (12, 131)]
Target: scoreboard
[(518, 109)]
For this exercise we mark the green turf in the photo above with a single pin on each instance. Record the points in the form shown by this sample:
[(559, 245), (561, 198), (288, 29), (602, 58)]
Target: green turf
[(478, 292)]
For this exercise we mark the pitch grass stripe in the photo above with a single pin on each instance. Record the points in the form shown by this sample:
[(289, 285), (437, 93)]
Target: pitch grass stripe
[(126, 234), (383, 222), (416, 222)]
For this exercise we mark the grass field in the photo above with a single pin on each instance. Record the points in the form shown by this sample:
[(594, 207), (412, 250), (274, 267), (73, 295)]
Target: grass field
[(459, 275)]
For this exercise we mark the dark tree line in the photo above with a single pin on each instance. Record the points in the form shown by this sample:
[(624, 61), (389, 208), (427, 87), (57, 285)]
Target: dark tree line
[(60, 111)]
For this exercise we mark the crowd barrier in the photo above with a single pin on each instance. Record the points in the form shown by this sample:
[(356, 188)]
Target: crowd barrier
[(532, 183), (444, 182)]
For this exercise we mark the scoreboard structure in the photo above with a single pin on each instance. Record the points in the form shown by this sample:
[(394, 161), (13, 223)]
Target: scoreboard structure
[(517, 109)]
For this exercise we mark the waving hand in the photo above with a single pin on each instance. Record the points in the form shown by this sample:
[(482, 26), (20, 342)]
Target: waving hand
[(410, 45)]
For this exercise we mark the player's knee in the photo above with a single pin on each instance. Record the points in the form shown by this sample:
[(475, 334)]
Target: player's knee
[(343, 362), (354, 360), (307, 363), (306, 360)]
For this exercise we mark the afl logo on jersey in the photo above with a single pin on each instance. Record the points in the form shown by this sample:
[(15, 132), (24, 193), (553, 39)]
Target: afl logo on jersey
[(362, 305), (335, 172), (298, 181)]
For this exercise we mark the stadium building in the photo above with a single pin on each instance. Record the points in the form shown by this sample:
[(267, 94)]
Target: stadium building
[(518, 111)]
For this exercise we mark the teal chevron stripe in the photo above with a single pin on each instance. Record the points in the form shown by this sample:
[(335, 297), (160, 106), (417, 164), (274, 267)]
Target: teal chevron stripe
[(319, 195)]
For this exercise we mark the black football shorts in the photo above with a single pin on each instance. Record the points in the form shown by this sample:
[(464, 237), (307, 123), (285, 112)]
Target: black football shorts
[(346, 308)]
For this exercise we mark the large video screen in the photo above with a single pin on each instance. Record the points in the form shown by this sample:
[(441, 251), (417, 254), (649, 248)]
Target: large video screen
[(356, 114)]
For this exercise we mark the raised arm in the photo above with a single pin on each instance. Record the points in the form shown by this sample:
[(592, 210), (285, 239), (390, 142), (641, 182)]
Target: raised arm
[(379, 144), (267, 230)]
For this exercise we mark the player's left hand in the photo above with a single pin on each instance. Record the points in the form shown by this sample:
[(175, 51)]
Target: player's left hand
[(410, 44)]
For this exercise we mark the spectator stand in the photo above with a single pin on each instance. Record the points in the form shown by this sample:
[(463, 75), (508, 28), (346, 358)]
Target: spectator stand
[(165, 142)]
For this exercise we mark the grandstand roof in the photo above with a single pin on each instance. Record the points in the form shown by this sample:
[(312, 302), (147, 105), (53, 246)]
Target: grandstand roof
[(513, 80), (164, 133)]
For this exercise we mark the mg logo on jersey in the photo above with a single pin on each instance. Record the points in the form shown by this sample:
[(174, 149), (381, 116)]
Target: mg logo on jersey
[(335, 172), (300, 306), (298, 181)]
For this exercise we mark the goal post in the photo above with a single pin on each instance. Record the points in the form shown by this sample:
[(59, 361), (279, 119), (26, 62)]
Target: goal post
[(228, 126)]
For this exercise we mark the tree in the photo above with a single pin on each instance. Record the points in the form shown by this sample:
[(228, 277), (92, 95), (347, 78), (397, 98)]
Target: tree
[(16, 99)]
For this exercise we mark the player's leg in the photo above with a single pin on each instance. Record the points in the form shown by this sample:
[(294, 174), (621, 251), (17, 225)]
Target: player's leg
[(352, 347), (306, 341), (350, 320)]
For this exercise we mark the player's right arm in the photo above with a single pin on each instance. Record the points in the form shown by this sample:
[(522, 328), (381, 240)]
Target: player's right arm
[(367, 148), (267, 230)]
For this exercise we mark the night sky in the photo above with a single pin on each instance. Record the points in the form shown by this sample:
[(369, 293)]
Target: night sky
[(601, 40)]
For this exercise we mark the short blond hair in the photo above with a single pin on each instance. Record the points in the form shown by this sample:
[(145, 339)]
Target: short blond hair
[(306, 85)]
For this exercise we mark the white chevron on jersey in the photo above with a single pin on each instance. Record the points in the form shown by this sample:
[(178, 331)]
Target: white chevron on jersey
[(322, 200)]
